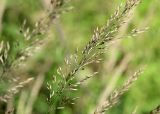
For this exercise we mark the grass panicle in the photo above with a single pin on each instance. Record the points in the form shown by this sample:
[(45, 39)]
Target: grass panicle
[(64, 82), (115, 96), (33, 38), (91, 53)]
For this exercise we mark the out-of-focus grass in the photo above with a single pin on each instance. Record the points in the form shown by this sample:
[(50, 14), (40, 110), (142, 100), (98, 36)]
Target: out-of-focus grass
[(77, 27)]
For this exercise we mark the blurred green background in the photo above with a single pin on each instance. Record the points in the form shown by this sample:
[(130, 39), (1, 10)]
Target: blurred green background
[(73, 30)]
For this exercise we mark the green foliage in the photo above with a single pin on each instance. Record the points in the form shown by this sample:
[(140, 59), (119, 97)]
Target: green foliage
[(74, 29)]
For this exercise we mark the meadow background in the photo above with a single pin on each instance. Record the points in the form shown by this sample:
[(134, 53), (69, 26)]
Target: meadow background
[(73, 30)]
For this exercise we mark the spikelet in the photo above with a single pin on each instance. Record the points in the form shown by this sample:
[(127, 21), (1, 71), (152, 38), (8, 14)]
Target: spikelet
[(114, 97), (15, 89), (4, 50), (156, 110)]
